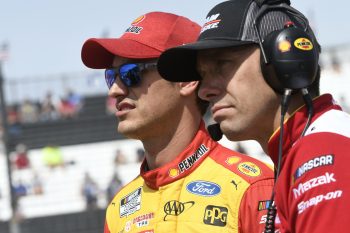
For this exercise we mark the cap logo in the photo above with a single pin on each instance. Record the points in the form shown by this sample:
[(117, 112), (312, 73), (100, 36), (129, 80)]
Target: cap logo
[(138, 20), (303, 44), (211, 22), (134, 28)]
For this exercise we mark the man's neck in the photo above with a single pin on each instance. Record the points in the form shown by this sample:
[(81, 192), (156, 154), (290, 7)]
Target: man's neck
[(164, 149)]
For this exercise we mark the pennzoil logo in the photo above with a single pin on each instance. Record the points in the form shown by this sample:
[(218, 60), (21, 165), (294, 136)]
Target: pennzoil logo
[(303, 44), (188, 162), (284, 46), (249, 169), (175, 208)]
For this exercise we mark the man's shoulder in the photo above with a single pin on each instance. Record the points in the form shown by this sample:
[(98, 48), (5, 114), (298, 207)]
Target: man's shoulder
[(247, 167), (130, 187)]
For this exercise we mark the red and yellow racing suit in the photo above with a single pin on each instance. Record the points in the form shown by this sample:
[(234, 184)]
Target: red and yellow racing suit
[(207, 188)]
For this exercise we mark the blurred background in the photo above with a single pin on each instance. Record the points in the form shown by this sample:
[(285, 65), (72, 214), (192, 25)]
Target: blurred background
[(59, 148)]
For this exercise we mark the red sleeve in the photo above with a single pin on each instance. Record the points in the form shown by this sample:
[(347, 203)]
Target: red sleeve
[(253, 208), (106, 230), (318, 198)]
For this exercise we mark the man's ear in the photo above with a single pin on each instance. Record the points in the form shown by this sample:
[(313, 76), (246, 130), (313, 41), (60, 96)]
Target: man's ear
[(187, 88)]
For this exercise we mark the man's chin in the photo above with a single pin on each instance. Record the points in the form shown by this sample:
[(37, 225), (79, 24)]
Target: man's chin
[(127, 131)]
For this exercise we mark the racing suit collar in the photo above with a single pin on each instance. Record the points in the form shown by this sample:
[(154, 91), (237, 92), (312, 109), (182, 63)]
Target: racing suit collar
[(184, 163), (294, 125)]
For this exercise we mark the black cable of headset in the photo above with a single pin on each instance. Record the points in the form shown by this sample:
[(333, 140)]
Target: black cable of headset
[(310, 109), (272, 211)]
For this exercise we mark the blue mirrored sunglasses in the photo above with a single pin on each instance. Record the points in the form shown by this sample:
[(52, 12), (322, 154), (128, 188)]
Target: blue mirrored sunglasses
[(129, 73)]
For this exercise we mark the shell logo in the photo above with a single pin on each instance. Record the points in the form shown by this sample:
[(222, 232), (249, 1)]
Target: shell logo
[(303, 44), (232, 160), (173, 172), (138, 20), (284, 46), (249, 169)]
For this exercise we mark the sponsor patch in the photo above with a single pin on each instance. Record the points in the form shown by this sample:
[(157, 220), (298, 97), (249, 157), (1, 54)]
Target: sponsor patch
[(312, 183), (215, 215), (130, 203), (211, 22), (235, 184), (302, 206), (233, 160), (203, 188), (249, 169), (284, 46), (175, 208), (189, 161), (127, 227), (173, 172), (143, 220), (319, 161), (264, 205), (147, 231), (134, 28), (303, 44), (138, 20)]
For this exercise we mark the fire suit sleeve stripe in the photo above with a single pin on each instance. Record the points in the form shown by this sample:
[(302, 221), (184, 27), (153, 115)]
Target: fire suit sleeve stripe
[(106, 230), (253, 208)]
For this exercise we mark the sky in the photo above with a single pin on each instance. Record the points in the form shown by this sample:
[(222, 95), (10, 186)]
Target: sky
[(45, 36)]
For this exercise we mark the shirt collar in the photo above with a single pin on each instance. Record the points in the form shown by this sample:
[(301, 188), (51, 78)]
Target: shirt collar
[(294, 125), (184, 163)]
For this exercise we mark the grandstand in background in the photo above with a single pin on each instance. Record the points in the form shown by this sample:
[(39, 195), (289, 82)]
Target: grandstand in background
[(89, 143)]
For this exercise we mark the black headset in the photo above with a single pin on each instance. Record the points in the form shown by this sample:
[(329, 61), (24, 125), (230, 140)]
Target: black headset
[(289, 63), (289, 55)]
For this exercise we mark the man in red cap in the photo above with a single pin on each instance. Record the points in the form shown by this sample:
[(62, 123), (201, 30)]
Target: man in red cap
[(188, 182)]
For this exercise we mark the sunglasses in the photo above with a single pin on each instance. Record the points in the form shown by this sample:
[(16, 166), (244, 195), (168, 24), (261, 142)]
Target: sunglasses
[(129, 73)]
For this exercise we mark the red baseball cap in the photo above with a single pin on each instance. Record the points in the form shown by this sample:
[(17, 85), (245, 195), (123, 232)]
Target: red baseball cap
[(147, 37)]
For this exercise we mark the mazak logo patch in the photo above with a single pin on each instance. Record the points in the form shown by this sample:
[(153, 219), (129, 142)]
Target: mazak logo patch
[(175, 208), (211, 22), (312, 183), (130, 203), (203, 188), (215, 215), (249, 169), (319, 161), (188, 162)]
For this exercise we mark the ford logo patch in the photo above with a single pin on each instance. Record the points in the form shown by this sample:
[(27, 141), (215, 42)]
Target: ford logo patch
[(203, 188)]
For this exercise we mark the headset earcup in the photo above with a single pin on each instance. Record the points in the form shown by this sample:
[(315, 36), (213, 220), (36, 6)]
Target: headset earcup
[(292, 59)]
